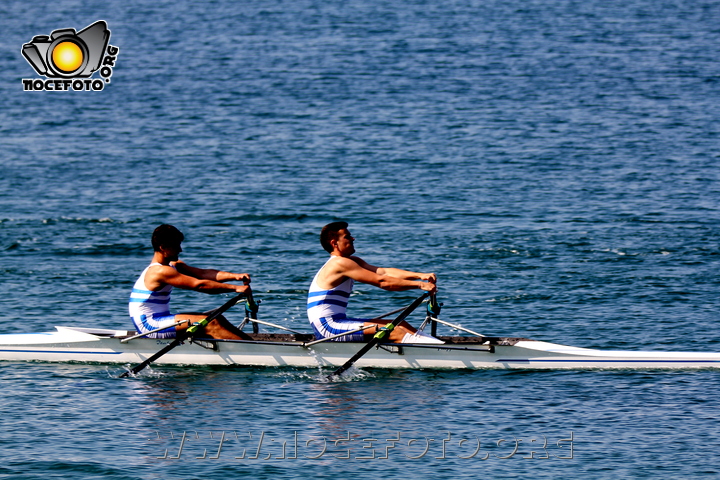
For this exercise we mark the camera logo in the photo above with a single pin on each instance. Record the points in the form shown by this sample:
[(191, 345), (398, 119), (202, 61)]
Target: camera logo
[(68, 59)]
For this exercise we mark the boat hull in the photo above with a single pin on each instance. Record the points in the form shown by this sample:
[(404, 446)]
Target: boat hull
[(279, 350)]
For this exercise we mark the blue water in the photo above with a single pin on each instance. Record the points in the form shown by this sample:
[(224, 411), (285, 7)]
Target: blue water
[(554, 162)]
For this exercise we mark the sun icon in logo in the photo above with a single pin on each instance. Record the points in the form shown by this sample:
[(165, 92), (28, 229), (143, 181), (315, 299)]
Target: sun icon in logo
[(67, 56)]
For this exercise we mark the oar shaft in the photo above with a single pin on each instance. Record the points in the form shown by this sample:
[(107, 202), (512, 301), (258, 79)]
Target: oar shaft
[(327, 339), (380, 336), (189, 332), (125, 340), (251, 309), (216, 313), (387, 314), (148, 361)]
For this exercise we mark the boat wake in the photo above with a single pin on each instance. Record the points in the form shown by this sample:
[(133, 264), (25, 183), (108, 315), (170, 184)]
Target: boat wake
[(146, 373), (322, 375)]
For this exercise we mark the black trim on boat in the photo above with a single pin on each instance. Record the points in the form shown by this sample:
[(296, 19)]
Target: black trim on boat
[(291, 338)]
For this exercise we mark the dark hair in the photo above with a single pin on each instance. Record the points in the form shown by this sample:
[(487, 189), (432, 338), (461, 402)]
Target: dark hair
[(166, 236), (330, 232)]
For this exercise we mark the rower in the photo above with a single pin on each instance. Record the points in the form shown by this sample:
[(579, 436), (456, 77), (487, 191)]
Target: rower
[(149, 304), (331, 288)]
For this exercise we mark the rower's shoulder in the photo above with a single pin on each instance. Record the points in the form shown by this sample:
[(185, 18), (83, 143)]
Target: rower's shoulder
[(158, 269), (343, 263)]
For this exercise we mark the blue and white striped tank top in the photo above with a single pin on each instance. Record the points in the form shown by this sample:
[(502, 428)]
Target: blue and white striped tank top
[(328, 303), (144, 302)]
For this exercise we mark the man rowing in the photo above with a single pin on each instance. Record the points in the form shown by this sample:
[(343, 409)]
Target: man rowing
[(330, 290), (150, 298)]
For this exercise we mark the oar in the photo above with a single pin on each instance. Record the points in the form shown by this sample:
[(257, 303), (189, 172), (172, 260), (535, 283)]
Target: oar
[(387, 314), (188, 333), (380, 336), (125, 340), (433, 311), (333, 337), (251, 310)]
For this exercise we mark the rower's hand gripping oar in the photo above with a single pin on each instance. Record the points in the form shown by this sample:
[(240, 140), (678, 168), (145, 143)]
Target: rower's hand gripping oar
[(192, 330), (380, 336)]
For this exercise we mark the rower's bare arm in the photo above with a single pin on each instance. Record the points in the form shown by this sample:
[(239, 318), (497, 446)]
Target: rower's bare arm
[(396, 272), (160, 276), (212, 274), (373, 276), (407, 275)]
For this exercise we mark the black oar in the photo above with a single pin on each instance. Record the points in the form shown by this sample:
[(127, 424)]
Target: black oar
[(188, 333), (433, 311), (251, 310), (380, 336)]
